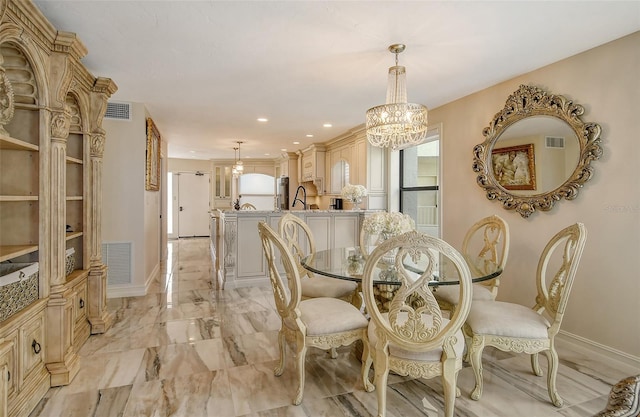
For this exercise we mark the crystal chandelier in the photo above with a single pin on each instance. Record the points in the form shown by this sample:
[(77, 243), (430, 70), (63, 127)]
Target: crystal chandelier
[(396, 124), (238, 168)]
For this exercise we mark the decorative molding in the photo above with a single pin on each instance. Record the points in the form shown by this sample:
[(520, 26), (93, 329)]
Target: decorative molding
[(6, 100), (60, 123), (97, 143)]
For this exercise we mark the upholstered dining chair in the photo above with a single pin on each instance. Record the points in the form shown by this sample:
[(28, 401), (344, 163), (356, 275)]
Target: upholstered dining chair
[(517, 328), (413, 337), (485, 247), (321, 322), (299, 239)]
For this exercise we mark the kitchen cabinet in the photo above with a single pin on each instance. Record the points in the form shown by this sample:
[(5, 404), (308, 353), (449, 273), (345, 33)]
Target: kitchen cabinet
[(222, 187), (312, 166)]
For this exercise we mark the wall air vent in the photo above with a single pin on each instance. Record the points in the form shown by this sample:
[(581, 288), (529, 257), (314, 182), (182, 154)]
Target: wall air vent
[(118, 111), (554, 142), (118, 256)]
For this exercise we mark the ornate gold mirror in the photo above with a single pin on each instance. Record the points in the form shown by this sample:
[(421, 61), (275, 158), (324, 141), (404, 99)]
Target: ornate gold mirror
[(537, 150)]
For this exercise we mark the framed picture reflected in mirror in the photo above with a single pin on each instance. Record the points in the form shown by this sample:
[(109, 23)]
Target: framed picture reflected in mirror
[(514, 167)]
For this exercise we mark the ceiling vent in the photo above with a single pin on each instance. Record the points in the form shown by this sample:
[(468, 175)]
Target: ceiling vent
[(554, 142), (118, 111)]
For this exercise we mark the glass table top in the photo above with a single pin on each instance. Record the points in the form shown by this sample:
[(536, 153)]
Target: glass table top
[(348, 264)]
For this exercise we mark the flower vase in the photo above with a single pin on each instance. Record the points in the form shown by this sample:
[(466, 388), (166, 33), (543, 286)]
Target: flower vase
[(390, 256), (356, 203)]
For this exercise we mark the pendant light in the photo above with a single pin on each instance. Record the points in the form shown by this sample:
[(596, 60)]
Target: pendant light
[(239, 166)]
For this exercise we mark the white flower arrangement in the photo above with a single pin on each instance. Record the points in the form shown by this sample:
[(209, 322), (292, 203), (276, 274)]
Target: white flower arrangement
[(388, 224), (354, 193)]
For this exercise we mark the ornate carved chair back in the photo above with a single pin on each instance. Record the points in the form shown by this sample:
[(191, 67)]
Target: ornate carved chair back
[(485, 246), (408, 334), (299, 239), (556, 272)]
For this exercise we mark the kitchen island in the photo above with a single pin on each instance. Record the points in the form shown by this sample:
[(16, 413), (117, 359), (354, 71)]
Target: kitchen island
[(236, 249)]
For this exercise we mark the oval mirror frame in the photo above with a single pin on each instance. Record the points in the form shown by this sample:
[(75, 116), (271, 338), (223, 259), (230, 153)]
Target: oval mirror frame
[(529, 101)]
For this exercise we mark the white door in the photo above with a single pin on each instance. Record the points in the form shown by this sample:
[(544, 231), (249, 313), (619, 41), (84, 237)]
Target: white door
[(193, 204)]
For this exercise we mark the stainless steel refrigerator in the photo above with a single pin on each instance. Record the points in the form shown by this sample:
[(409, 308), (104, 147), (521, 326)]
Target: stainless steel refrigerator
[(282, 200)]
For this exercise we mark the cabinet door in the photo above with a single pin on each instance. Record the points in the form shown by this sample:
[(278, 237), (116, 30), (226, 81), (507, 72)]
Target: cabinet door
[(321, 228), (5, 375), (32, 345), (80, 304), (250, 261), (12, 364), (346, 231)]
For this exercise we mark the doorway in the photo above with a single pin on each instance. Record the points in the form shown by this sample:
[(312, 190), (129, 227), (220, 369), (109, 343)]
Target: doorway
[(190, 202)]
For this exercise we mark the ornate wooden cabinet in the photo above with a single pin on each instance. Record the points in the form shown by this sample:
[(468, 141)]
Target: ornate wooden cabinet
[(51, 147)]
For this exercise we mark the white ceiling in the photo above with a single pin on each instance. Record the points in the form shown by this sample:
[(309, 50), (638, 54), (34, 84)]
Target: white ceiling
[(206, 70)]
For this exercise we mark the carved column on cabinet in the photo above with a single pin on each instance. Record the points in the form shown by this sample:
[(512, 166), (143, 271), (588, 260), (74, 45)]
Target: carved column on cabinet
[(62, 360), (98, 315)]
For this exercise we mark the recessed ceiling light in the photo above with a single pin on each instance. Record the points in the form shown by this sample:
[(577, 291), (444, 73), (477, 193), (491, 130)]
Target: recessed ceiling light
[(309, 136), (267, 154), (327, 125), (283, 149), (263, 119), (296, 143), (192, 151)]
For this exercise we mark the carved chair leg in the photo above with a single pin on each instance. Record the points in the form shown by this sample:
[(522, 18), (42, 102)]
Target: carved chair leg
[(535, 364), (301, 355), (380, 380), (475, 356), (282, 345), (367, 360), (449, 376), (552, 357), (334, 353)]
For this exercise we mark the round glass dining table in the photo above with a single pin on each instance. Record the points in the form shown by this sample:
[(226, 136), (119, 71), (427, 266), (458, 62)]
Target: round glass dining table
[(348, 264)]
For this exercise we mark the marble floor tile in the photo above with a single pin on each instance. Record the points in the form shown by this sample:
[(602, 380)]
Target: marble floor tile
[(187, 350)]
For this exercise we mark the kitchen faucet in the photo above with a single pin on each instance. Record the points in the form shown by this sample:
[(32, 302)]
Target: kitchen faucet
[(304, 197)]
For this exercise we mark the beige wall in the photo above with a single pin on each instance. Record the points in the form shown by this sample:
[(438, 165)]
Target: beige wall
[(605, 305), (129, 213)]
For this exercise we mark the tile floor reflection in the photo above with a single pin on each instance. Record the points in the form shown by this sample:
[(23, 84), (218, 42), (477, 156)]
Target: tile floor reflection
[(187, 350)]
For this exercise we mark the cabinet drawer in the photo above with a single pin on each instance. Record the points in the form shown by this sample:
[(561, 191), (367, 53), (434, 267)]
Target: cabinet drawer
[(33, 344)]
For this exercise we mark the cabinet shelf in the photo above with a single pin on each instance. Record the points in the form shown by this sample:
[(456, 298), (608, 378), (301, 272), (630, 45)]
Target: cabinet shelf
[(71, 160), (72, 235), (78, 273), (13, 251), (18, 198), (7, 142)]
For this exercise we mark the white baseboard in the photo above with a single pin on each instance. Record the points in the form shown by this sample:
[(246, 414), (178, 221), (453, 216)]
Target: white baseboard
[(152, 276), (119, 291), (593, 348), (126, 291)]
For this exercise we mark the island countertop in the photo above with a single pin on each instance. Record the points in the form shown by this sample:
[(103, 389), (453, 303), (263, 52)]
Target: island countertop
[(236, 248)]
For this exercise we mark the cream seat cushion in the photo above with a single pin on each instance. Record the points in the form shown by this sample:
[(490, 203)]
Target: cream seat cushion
[(326, 287), (397, 351), (451, 293), (324, 315), (507, 319)]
